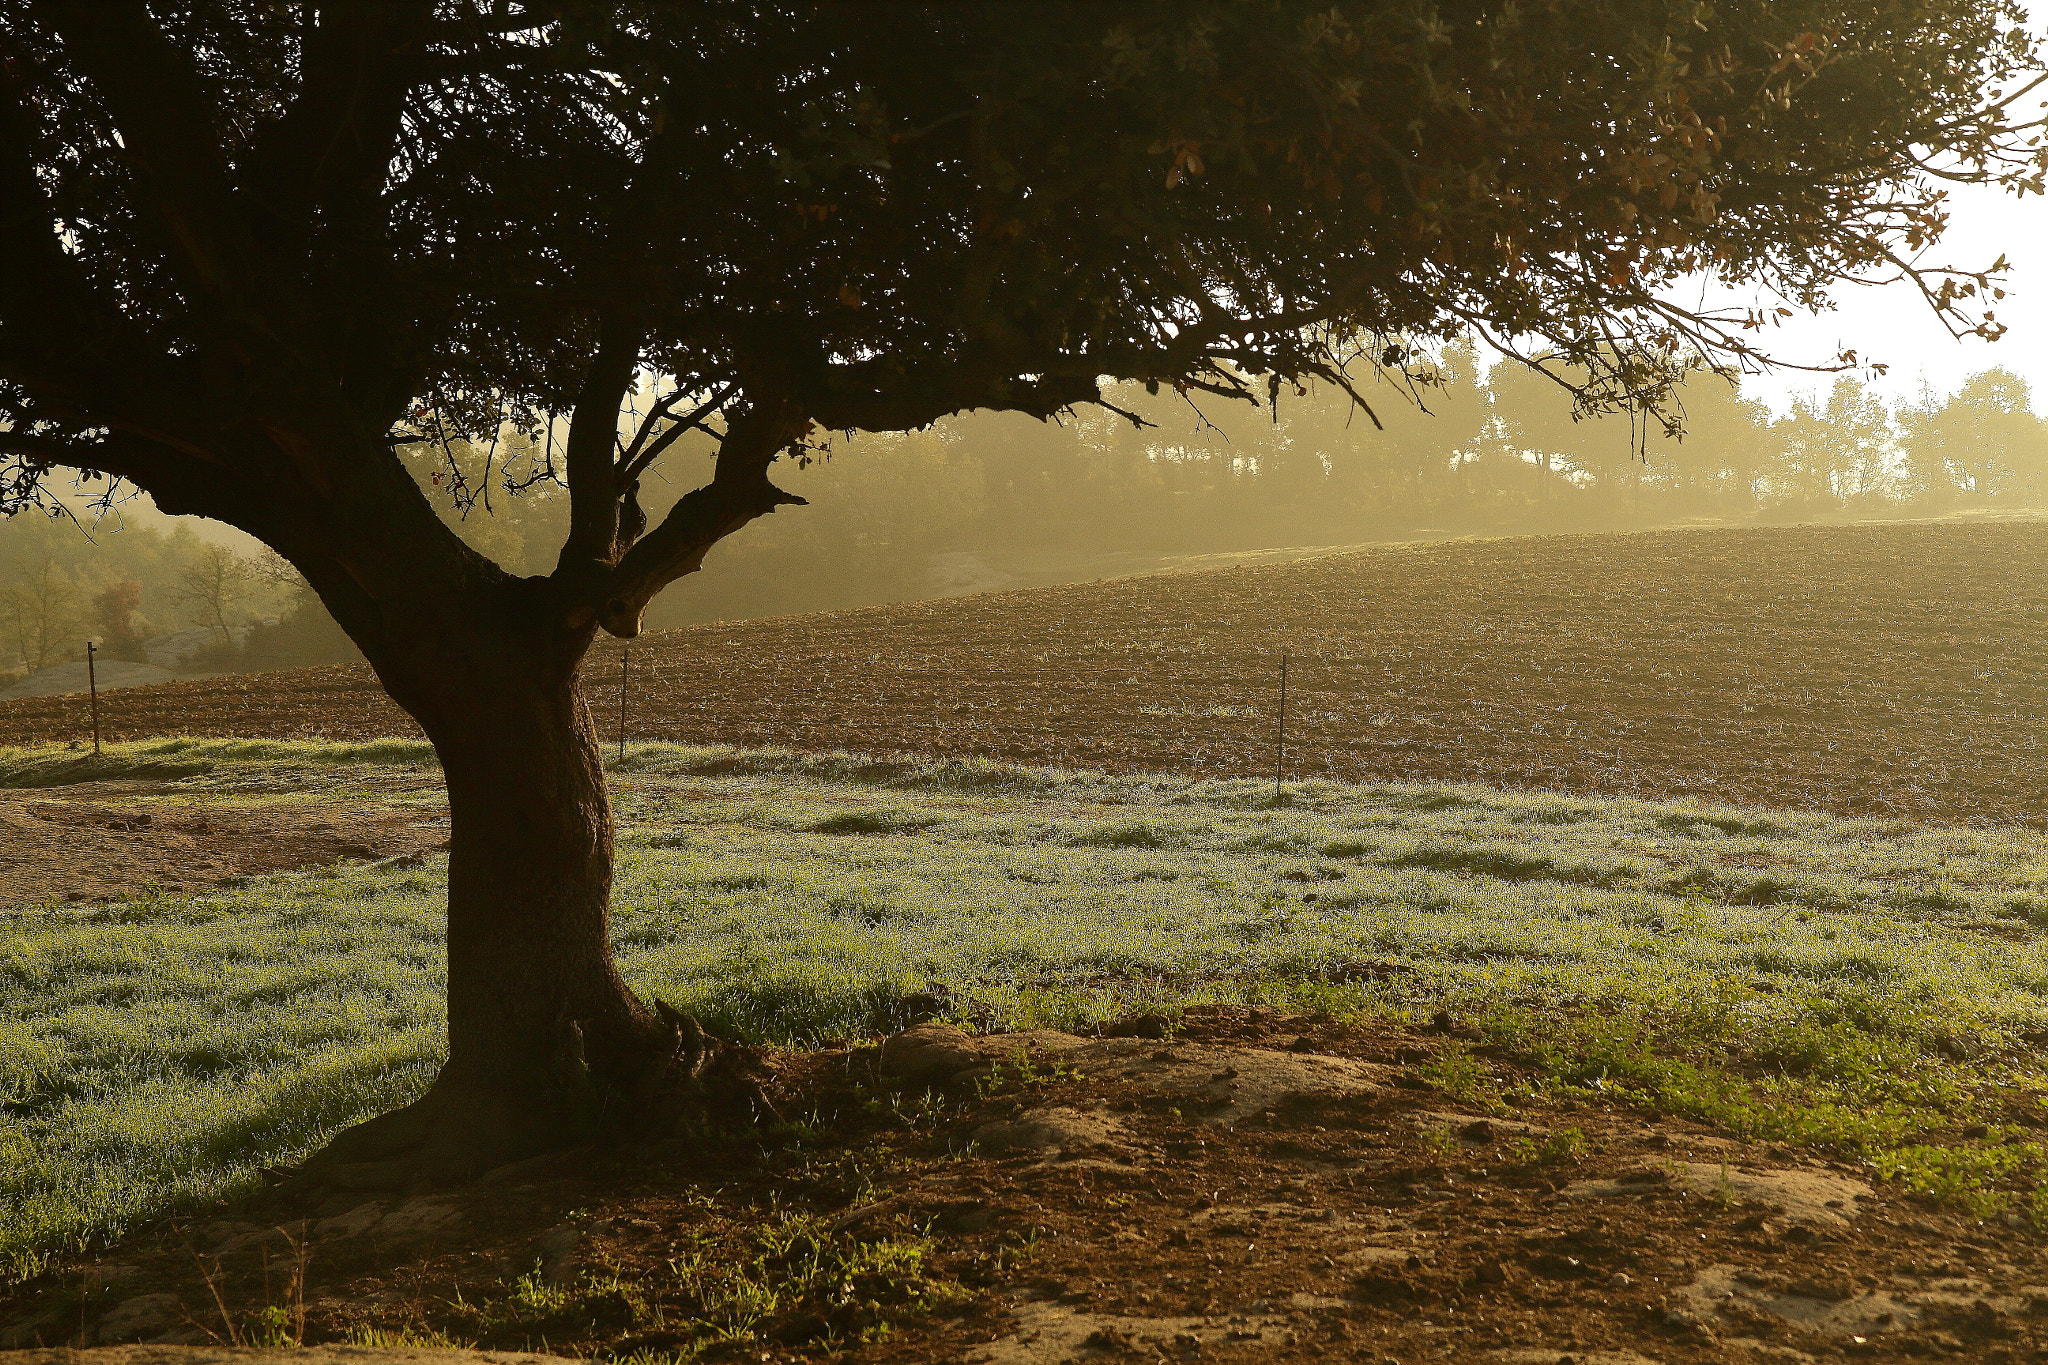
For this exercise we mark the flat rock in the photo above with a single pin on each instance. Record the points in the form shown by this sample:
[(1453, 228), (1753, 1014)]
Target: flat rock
[(1051, 1334), (1731, 1290), (1720, 1288), (353, 1223), (557, 1250), (308, 1355), (1227, 1084), (1434, 1120), (140, 1318), (1067, 1130), (1815, 1198), (1550, 1355), (1217, 1084), (32, 1331), (418, 1220)]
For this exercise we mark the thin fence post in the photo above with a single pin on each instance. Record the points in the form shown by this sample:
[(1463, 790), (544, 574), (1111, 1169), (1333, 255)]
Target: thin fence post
[(1280, 742), (92, 683), (625, 654)]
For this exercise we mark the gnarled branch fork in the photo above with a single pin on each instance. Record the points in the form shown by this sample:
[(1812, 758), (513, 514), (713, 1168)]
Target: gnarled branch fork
[(739, 492)]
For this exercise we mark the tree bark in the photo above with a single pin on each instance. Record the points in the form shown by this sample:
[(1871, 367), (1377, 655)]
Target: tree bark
[(546, 1045)]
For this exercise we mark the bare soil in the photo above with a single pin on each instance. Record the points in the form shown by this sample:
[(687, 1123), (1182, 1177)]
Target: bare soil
[(1256, 1188), (1893, 670), (103, 840)]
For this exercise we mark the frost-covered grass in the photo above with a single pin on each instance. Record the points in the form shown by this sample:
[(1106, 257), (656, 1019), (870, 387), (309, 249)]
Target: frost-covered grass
[(1852, 983)]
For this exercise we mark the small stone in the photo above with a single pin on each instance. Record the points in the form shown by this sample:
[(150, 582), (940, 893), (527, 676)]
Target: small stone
[(1478, 1131), (557, 1248), (29, 1332), (802, 1328), (1110, 1339), (1976, 1132), (138, 1318), (1619, 1280)]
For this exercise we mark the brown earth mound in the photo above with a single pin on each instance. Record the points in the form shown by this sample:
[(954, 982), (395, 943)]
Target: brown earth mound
[(1255, 1188), (1894, 669)]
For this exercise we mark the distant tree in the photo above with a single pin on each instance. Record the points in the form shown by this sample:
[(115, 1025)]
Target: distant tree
[(1412, 464), (299, 237), (213, 588), (121, 631), (1996, 441), (1859, 428), (1727, 442), (1537, 416), (1982, 443), (41, 608), (1830, 452), (1929, 475)]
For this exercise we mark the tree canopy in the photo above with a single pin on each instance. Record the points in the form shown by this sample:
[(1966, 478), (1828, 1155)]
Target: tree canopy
[(871, 215)]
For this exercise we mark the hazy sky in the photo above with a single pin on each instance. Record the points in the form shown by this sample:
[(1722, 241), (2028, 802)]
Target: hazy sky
[(1891, 323)]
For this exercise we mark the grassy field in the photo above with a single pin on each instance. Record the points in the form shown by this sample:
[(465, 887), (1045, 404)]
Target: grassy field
[(1877, 670), (1867, 986)]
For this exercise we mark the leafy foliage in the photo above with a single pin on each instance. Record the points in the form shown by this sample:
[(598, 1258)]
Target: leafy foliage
[(432, 216)]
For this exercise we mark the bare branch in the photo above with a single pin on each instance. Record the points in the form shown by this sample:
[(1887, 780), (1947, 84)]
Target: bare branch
[(635, 461), (739, 492), (1133, 418)]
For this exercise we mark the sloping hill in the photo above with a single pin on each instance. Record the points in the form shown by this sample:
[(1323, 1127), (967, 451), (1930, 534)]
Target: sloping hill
[(1885, 669)]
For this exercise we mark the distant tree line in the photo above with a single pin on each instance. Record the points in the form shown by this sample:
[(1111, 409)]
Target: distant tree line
[(1480, 451), (1497, 451)]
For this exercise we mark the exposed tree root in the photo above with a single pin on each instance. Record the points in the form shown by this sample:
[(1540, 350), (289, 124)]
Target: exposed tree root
[(689, 1086)]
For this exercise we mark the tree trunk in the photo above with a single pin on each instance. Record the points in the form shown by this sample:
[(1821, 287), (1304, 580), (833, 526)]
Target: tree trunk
[(546, 1046)]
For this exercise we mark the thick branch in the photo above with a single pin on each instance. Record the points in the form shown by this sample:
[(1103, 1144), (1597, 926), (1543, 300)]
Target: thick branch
[(55, 330), (335, 141), (588, 459), (177, 484), (167, 129), (739, 491)]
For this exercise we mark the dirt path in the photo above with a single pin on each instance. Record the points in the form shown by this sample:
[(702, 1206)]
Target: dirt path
[(1256, 1188), (102, 840)]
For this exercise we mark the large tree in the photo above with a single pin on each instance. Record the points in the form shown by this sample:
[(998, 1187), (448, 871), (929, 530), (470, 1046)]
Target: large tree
[(247, 248)]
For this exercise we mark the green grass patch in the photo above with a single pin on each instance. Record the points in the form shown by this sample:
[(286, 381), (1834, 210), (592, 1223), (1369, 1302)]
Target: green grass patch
[(169, 760), (1858, 985)]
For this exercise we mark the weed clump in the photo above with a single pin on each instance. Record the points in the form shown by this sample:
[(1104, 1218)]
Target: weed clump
[(876, 820)]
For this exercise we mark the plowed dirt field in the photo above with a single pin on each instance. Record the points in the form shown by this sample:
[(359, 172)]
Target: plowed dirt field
[(1879, 670)]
